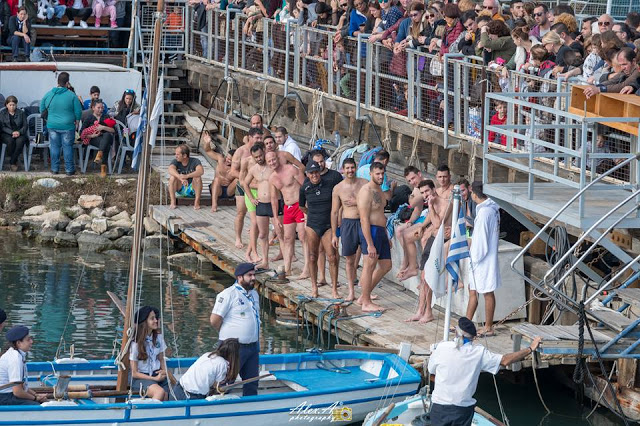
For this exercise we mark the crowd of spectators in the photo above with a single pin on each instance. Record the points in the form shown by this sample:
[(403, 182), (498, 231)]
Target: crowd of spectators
[(17, 22), (68, 120)]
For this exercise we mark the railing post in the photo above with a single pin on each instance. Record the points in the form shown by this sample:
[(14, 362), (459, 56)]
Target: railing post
[(296, 55), (361, 37), (236, 38), (287, 51), (216, 36), (368, 75), (530, 177), (265, 46), (411, 75), (583, 168), (456, 97), (445, 67), (376, 88), (331, 75), (485, 141)]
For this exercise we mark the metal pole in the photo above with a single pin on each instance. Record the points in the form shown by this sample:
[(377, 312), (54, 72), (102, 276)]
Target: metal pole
[(454, 221), (446, 99), (358, 78), (287, 51), (138, 232)]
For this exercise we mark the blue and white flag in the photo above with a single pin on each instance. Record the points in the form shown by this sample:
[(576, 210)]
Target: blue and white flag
[(458, 248), (434, 268), (142, 127), (154, 120)]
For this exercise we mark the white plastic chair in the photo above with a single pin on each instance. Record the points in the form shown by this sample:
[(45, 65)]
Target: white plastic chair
[(33, 130), (122, 132), (89, 149), (25, 153)]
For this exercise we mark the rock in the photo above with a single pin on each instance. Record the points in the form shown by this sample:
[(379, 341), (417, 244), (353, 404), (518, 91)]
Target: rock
[(46, 183), (90, 201), (79, 181), (89, 241), (58, 225), (122, 182), (46, 237), (157, 244), (75, 227), (115, 233), (111, 211), (10, 204), (61, 198), (74, 211), (84, 218), (99, 225), (115, 253), (4, 222), (35, 211), (65, 239), (55, 220), (185, 260), (151, 226), (97, 212), (123, 243), (121, 216), (126, 224)]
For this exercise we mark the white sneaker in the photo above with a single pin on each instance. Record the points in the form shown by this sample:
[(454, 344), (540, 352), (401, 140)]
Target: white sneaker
[(84, 24), (71, 24)]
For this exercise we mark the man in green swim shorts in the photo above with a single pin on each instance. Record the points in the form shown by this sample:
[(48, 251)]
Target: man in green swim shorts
[(257, 151)]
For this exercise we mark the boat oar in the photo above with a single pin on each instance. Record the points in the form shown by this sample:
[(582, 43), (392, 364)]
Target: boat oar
[(75, 388), (88, 394), (384, 415), (223, 389)]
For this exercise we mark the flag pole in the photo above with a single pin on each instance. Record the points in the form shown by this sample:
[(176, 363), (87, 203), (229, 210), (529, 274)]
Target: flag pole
[(454, 223)]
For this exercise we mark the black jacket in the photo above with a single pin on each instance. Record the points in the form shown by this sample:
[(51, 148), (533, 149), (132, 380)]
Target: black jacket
[(20, 118), (13, 26)]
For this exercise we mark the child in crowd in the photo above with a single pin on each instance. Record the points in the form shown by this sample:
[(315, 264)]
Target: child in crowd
[(499, 119), (102, 8), (51, 11)]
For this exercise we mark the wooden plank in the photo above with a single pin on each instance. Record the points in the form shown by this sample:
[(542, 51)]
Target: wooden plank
[(612, 319)]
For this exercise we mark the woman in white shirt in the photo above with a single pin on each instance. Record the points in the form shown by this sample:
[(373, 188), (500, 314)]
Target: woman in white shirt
[(13, 370), (147, 355), (209, 371)]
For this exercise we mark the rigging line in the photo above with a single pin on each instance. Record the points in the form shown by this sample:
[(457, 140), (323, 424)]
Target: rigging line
[(71, 308), (535, 379), (604, 389)]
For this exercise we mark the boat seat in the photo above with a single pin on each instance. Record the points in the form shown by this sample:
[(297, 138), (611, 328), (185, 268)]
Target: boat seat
[(319, 378)]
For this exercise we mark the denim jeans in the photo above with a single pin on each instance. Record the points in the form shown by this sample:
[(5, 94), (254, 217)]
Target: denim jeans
[(16, 43), (58, 11), (62, 139)]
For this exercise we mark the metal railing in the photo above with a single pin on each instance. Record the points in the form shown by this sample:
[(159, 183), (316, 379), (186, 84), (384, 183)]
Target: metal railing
[(177, 26)]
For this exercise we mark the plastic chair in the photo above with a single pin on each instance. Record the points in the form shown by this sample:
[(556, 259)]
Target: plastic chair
[(125, 145), (91, 148), (35, 127), (25, 153)]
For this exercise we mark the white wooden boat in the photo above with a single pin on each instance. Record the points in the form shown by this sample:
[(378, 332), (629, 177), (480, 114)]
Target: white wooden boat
[(305, 389), (405, 413)]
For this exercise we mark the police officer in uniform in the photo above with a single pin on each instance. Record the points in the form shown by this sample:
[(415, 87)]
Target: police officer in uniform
[(236, 314), (13, 370)]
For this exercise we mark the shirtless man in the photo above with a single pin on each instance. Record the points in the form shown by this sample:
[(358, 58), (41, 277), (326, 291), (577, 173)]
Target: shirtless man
[(255, 135), (405, 232), (258, 174), (443, 176), (345, 206), (285, 183), (223, 185), (257, 122), (315, 200), (251, 193), (438, 208), (373, 236)]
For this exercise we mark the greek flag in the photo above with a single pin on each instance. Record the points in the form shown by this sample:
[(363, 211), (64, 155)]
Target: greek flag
[(156, 113), (458, 249), (137, 150)]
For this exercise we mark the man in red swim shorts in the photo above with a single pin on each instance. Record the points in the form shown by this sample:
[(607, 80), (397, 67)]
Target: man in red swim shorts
[(286, 181)]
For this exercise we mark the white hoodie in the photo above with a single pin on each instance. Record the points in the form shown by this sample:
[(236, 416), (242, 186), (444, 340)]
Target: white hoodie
[(485, 271)]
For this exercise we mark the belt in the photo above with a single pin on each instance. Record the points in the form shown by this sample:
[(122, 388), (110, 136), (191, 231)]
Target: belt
[(248, 344)]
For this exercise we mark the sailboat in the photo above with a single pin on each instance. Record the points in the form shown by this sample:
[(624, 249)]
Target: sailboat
[(298, 388), (415, 409)]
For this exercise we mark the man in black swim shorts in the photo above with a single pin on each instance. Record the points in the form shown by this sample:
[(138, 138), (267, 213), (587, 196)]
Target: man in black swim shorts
[(315, 200)]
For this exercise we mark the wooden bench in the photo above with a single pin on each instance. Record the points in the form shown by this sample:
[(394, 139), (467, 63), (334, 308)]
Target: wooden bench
[(607, 105)]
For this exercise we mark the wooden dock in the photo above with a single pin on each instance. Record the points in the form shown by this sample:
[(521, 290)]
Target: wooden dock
[(212, 235)]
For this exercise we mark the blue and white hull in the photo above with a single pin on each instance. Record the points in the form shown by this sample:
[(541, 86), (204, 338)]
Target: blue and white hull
[(306, 388)]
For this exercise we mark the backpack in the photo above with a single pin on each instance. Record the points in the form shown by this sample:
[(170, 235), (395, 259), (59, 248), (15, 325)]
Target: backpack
[(367, 157)]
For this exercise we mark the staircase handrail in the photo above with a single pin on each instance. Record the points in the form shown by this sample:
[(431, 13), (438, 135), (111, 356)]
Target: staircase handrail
[(547, 225), (585, 234), (614, 278)]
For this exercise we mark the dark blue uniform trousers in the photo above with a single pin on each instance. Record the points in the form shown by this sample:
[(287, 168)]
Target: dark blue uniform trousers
[(249, 356), (451, 415)]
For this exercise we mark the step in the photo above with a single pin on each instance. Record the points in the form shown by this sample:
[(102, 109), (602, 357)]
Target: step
[(612, 319), (630, 296), (179, 139), (172, 90), (171, 77), (173, 102), (173, 126)]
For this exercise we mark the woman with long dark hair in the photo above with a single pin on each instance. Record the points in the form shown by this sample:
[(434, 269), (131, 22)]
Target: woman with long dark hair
[(147, 355), (209, 371), (13, 370)]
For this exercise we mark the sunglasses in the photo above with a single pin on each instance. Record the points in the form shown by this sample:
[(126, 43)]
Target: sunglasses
[(606, 24), (344, 5), (539, 14), (383, 1), (431, 15), (130, 92), (414, 15)]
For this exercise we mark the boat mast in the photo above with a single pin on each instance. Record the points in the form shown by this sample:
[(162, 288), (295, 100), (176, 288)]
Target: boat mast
[(140, 195)]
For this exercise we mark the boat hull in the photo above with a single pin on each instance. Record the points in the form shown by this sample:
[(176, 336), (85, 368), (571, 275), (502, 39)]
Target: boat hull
[(338, 386)]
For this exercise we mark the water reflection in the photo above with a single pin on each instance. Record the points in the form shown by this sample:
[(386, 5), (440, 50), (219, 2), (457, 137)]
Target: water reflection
[(62, 297)]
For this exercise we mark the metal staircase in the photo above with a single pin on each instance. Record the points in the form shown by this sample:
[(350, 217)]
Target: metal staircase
[(552, 149), (172, 51)]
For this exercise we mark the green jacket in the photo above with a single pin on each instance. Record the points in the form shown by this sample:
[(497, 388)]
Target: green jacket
[(502, 47), (64, 108)]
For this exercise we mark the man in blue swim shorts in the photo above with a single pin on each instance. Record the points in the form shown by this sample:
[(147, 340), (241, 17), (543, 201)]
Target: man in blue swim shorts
[(373, 236), (345, 206), (185, 177)]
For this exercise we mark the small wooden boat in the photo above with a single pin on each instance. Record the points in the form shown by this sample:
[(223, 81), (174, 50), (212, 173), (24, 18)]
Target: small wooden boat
[(304, 389), (413, 411)]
